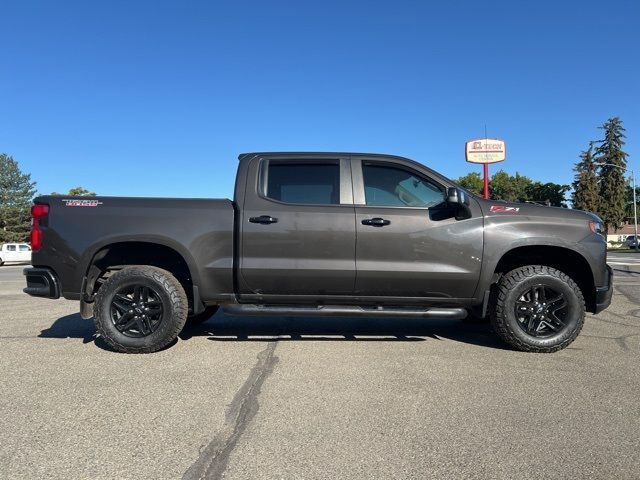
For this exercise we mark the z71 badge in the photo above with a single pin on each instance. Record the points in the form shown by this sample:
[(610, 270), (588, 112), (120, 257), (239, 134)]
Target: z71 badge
[(78, 202), (503, 209)]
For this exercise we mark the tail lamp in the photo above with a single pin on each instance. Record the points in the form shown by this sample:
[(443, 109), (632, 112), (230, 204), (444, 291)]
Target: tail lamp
[(38, 212)]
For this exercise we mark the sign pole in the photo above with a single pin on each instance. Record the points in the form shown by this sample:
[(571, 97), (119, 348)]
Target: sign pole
[(486, 181), (635, 215)]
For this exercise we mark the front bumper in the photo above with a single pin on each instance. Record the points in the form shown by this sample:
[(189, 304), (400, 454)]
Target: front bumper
[(41, 282), (604, 293)]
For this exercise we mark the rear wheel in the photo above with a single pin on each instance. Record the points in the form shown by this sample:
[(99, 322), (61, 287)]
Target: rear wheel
[(1, 262), (203, 316), (538, 309), (140, 309)]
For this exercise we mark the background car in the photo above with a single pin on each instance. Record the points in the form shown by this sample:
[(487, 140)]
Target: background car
[(15, 253), (631, 241)]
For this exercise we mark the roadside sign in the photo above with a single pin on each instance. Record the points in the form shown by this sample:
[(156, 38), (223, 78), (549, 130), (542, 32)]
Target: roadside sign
[(485, 150)]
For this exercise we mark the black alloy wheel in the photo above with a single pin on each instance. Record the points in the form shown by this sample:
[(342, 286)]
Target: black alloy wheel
[(541, 311), (136, 310)]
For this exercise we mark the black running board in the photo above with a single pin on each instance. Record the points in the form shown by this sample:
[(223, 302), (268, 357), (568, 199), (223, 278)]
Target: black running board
[(343, 311)]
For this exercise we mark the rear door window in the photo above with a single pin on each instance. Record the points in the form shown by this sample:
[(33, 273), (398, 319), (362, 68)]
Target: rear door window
[(310, 183)]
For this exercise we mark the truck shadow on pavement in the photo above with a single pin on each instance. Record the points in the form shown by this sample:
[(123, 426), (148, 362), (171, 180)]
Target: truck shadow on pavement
[(74, 326), (222, 328)]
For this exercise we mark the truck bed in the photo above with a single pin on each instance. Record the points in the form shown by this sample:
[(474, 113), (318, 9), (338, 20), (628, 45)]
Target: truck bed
[(200, 230)]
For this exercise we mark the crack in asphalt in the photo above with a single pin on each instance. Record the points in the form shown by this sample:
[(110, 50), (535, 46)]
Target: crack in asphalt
[(214, 457)]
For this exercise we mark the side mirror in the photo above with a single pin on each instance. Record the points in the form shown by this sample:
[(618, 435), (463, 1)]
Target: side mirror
[(458, 198)]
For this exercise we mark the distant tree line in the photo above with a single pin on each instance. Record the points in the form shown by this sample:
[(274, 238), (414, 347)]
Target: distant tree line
[(517, 188), (76, 192), (16, 196)]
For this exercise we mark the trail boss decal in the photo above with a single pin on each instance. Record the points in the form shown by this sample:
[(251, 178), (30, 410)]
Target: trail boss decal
[(76, 202), (503, 209)]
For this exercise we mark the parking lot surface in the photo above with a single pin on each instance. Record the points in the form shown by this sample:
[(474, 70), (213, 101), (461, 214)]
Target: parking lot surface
[(250, 398)]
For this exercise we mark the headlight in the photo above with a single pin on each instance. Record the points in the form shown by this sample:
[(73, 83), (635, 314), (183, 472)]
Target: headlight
[(596, 227)]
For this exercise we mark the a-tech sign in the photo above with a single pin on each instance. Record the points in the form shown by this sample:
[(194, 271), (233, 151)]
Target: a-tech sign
[(485, 150)]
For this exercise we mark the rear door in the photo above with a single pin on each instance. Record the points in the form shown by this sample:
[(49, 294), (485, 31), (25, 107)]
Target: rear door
[(409, 243), (11, 253), (297, 227)]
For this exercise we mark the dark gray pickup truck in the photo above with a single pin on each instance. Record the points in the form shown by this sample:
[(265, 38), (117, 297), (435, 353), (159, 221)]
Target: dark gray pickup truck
[(321, 234)]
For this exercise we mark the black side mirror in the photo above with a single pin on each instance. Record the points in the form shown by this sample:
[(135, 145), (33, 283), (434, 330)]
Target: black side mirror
[(458, 198)]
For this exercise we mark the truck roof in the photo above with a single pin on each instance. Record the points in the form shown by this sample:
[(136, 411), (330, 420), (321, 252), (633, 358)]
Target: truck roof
[(340, 154), (242, 156)]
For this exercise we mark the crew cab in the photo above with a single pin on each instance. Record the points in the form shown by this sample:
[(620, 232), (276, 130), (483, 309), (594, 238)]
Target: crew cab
[(317, 234)]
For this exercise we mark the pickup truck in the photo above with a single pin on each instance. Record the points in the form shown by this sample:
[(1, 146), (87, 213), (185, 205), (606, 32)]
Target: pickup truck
[(15, 252), (321, 234)]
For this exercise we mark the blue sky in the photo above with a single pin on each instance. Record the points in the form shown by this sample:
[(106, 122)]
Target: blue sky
[(158, 98)]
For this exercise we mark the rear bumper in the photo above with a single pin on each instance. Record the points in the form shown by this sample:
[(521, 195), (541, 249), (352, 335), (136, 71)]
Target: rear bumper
[(604, 293), (41, 282)]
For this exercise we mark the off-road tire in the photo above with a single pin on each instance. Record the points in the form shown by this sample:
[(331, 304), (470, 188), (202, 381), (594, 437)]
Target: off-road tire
[(511, 287), (174, 304), (203, 316)]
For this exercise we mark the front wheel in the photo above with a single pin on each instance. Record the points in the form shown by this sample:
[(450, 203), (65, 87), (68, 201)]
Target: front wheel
[(538, 309), (140, 309)]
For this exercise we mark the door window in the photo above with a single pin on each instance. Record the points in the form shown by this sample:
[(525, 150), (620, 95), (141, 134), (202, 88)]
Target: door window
[(316, 183), (24, 248), (391, 186), (11, 248)]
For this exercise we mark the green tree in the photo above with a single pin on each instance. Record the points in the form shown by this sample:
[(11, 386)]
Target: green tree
[(612, 182), (77, 192), (16, 192), (520, 188), (509, 188), (586, 192), (552, 194), (472, 182)]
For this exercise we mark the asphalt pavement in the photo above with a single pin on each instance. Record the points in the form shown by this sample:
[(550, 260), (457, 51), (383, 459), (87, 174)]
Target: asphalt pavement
[(252, 398), (623, 258)]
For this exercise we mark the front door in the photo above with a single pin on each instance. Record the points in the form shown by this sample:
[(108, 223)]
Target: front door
[(409, 243), (298, 232)]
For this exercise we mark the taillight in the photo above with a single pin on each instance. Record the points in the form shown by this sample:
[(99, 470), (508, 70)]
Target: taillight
[(37, 212)]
